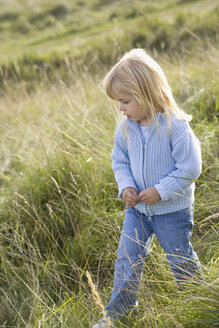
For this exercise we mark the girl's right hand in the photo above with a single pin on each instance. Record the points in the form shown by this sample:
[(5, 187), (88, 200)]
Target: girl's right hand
[(130, 197)]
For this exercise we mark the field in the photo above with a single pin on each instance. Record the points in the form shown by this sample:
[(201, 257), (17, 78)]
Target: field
[(59, 214)]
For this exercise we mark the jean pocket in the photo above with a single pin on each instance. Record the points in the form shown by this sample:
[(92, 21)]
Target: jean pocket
[(186, 213)]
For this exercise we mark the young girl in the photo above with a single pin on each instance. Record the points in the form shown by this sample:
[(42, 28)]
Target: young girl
[(156, 159)]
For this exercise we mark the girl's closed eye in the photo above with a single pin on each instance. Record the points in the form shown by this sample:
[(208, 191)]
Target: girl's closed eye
[(123, 102)]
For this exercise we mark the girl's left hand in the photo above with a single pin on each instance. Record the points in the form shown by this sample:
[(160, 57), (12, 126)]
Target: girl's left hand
[(150, 196)]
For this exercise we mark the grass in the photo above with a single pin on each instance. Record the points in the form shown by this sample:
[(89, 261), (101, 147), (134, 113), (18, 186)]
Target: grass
[(168, 27), (59, 213)]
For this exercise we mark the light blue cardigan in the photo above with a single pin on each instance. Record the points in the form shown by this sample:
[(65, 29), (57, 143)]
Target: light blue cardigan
[(170, 163)]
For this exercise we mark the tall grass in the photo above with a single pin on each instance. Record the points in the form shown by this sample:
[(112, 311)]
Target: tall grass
[(59, 213), (55, 170)]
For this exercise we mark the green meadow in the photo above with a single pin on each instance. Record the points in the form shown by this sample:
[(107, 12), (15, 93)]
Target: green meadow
[(59, 211)]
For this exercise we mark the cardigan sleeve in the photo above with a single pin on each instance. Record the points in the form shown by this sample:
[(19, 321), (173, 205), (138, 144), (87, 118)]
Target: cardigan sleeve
[(121, 163), (186, 153)]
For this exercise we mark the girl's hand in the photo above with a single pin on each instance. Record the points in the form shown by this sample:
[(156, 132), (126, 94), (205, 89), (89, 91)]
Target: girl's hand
[(150, 196), (130, 197)]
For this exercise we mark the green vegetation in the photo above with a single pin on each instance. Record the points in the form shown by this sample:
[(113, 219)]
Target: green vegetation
[(59, 212)]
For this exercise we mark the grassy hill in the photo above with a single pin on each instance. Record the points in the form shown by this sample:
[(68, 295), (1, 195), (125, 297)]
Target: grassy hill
[(59, 212), (46, 35)]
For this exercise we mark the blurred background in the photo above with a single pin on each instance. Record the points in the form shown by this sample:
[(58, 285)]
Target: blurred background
[(59, 212)]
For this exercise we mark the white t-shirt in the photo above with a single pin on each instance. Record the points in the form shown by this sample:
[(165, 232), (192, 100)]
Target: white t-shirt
[(145, 130)]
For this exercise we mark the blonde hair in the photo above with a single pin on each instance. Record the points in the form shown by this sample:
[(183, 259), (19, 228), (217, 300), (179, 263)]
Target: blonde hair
[(138, 74)]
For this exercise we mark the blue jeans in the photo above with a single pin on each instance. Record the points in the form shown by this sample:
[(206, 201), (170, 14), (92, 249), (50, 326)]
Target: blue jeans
[(173, 231)]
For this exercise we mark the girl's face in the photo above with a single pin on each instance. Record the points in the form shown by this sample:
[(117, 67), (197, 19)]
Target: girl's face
[(130, 107)]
